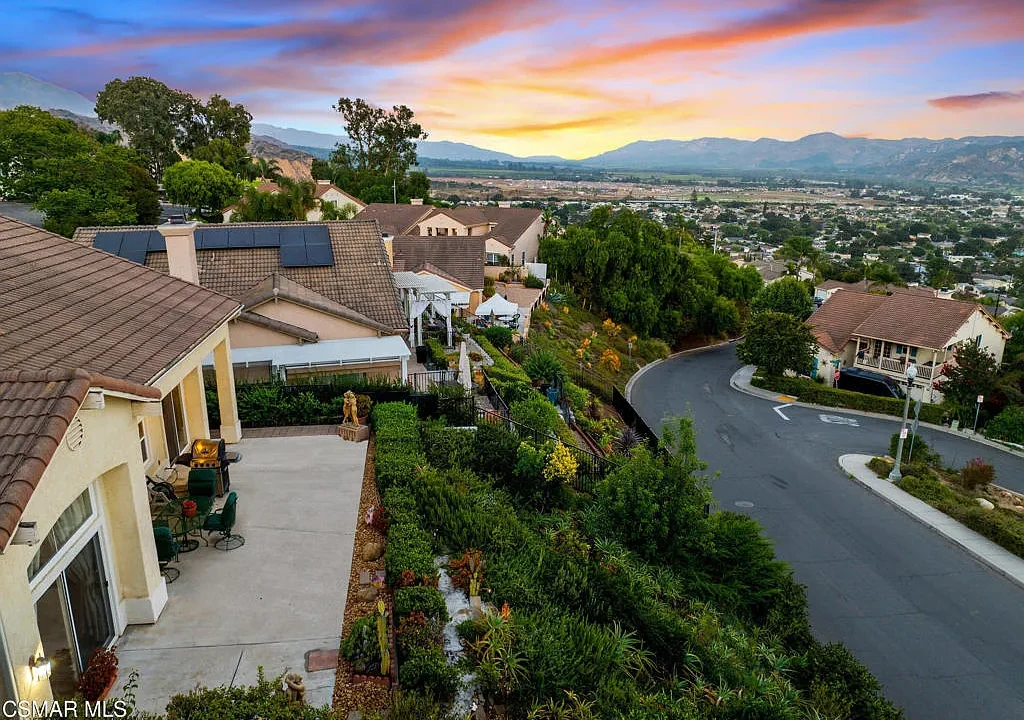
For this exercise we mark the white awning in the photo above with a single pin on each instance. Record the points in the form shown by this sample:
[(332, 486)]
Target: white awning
[(496, 305), (390, 348)]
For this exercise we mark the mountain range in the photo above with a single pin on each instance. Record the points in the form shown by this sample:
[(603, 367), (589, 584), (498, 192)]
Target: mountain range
[(980, 160)]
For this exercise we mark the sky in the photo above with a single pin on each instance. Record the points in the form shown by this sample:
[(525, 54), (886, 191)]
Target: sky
[(557, 77)]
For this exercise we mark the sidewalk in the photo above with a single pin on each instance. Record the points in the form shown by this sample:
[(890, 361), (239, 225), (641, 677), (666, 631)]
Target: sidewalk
[(740, 381), (1002, 561)]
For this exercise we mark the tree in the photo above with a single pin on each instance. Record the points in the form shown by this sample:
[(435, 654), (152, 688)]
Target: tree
[(202, 185), (291, 202), (149, 113), (267, 168), (217, 121), (787, 295), (380, 141), (974, 373), (1014, 324), (330, 211), (777, 342)]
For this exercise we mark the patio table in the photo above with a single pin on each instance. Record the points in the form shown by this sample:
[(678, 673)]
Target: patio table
[(173, 515)]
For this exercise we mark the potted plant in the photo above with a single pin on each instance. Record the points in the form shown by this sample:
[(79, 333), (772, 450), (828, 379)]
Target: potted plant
[(189, 508), (100, 674), (363, 406)]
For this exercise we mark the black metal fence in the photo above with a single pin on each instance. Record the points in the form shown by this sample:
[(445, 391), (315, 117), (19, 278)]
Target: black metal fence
[(631, 417), (497, 402), (423, 382)]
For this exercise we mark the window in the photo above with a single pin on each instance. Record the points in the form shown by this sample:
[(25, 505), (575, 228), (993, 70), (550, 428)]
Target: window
[(175, 432), (913, 352), (442, 232), (74, 516), (899, 350), (143, 442), (977, 341), (430, 231)]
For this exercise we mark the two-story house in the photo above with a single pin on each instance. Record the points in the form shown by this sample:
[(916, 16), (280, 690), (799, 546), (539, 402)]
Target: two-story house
[(511, 234), (883, 333)]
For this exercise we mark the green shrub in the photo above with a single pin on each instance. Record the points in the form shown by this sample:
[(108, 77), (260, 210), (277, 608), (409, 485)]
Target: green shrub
[(537, 413), (915, 448), (880, 466), (499, 335), (243, 702), (447, 447), (811, 392), (840, 686), (396, 422), (395, 466), (410, 705), (977, 473), (426, 600), (494, 451), (409, 546), (437, 355), (532, 281), (579, 398), (1007, 425), (543, 366), (428, 670), (361, 647)]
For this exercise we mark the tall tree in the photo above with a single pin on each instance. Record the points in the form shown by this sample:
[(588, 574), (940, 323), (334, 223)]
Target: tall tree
[(777, 342), (149, 113), (202, 185), (216, 120), (974, 373), (787, 295), (379, 140)]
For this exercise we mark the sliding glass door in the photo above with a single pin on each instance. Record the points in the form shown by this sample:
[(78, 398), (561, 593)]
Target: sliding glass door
[(74, 618)]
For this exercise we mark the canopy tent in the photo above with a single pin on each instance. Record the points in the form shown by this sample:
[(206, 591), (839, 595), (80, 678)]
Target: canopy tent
[(498, 306)]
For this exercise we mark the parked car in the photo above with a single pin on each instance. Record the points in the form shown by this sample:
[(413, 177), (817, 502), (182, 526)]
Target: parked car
[(869, 383)]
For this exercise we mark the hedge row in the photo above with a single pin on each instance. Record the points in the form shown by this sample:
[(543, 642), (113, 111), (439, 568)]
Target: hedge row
[(1003, 527), (438, 357), (509, 379), (810, 391)]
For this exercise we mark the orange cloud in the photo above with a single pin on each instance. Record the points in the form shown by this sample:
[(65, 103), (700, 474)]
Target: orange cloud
[(977, 100)]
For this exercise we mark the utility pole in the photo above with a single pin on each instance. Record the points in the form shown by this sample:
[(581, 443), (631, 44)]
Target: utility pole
[(394, 190)]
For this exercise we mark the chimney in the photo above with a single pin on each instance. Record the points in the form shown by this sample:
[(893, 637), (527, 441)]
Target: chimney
[(416, 201), (389, 246), (180, 239), (323, 182)]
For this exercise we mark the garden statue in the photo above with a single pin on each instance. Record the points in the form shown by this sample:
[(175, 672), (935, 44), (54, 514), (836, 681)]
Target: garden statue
[(295, 688), (351, 408)]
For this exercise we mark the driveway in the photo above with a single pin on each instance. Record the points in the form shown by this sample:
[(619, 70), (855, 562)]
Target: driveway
[(941, 631), (274, 599)]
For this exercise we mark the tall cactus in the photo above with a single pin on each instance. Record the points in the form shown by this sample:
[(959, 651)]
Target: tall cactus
[(382, 639)]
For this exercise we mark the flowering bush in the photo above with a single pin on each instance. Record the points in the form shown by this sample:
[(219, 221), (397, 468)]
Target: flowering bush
[(610, 359), (100, 671), (611, 328), (561, 465)]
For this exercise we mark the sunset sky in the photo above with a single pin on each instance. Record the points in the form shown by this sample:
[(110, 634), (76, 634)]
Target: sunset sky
[(566, 77)]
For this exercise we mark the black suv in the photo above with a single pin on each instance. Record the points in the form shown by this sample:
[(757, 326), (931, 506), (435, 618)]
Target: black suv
[(869, 383)]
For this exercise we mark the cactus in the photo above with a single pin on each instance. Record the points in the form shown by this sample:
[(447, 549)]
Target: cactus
[(382, 639)]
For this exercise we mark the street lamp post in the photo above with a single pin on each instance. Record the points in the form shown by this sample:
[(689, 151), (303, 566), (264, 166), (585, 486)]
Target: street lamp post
[(911, 374)]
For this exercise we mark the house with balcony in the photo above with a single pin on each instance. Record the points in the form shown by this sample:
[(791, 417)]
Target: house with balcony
[(882, 333), (101, 384)]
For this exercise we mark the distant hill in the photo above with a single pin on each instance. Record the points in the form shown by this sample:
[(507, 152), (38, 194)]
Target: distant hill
[(970, 159), (20, 89), (294, 163)]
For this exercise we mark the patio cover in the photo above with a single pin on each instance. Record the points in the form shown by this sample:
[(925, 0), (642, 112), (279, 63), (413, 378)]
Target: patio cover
[(325, 353), (498, 306)]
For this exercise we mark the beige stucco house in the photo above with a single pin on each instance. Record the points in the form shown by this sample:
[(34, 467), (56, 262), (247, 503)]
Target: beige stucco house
[(318, 297), (101, 383), (882, 333), (510, 234), (325, 191)]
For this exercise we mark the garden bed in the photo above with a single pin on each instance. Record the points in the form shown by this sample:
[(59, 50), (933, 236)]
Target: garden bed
[(350, 694)]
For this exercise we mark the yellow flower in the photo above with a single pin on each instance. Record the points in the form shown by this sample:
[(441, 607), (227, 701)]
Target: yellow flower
[(632, 339), (594, 334), (610, 359), (579, 353), (561, 465), (565, 309)]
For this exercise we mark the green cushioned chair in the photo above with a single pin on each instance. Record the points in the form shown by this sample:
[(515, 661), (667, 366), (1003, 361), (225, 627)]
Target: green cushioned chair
[(202, 487), (222, 521), (166, 552)]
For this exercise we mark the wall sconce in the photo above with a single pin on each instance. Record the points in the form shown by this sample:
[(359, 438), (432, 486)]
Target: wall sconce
[(41, 668)]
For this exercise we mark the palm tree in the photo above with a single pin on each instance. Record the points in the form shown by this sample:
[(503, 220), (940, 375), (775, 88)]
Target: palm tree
[(547, 215), (299, 197), (267, 168)]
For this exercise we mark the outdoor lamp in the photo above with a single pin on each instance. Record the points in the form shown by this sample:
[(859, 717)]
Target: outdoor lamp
[(41, 667), (911, 374)]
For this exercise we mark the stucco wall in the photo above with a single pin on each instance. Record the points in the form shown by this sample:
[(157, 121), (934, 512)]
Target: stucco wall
[(528, 242), (453, 226), (245, 335), (991, 339), (327, 327), (110, 457)]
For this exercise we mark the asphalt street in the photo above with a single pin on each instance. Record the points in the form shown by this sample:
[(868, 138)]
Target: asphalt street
[(942, 632)]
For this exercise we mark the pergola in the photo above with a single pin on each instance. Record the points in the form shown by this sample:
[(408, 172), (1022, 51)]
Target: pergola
[(420, 293)]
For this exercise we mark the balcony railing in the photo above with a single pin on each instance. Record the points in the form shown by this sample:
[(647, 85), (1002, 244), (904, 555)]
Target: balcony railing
[(897, 366)]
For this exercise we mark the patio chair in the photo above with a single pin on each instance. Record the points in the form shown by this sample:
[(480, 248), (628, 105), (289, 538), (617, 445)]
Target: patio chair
[(166, 552), (222, 521), (202, 487)]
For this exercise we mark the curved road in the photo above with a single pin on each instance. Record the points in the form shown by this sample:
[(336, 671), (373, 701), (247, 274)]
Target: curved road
[(942, 632)]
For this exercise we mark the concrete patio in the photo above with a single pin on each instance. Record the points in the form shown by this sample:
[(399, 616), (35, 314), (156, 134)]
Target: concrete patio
[(271, 601)]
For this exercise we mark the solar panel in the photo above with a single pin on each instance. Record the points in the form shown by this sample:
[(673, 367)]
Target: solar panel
[(293, 236), (317, 234), (266, 237), (240, 238), (109, 241), (212, 238), (135, 252), (156, 242), (293, 256), (319, 255)]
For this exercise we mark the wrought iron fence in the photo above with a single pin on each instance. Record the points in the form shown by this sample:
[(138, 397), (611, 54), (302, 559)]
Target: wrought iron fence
[(423, 382), (632, 417), (497, 402)]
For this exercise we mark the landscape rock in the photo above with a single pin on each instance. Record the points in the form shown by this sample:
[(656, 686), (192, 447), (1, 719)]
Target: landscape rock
[(986, 504), (373, 551), (366, 594)]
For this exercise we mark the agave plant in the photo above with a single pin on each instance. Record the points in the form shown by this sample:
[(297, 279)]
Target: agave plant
[(627, 441)]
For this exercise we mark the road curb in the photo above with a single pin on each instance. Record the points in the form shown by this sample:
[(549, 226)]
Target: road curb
[(628, 391), (748, 389), (976, 545)]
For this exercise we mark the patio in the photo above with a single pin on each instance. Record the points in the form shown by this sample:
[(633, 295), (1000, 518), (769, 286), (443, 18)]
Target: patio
[(274, 599)]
